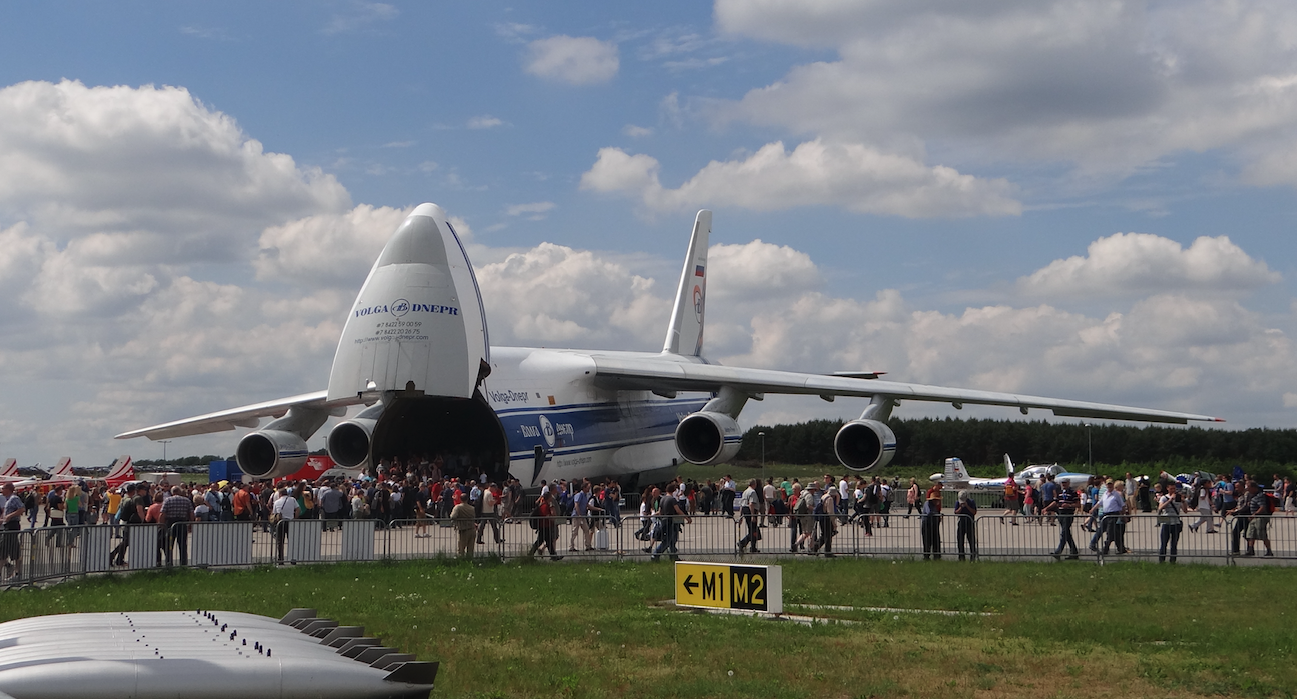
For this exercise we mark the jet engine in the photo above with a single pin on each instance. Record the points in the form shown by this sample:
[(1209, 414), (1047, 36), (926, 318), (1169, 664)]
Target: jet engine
[(708, 438), (862, 445), (349, 441), (271, 453)]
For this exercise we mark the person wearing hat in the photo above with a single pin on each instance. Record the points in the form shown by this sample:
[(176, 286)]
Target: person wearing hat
[(930, 523), (462, 517), (965, 530)]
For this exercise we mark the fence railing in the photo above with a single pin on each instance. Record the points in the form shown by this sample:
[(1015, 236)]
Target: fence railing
[(52, 553)]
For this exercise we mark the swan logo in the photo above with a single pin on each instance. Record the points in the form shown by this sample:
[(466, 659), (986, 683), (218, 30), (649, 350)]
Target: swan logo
[(698, 302), (546, 430), (400, 307)]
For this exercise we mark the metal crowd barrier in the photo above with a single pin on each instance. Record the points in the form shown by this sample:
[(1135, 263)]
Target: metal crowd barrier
[(56, 553)]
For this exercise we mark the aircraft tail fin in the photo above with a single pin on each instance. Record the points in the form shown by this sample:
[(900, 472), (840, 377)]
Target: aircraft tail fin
[(10, 468), (955, 470), (63, 468), (1008, 466), (685, 334), (120, 472)]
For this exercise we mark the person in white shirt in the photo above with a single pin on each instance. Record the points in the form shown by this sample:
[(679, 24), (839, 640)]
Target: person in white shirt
[(769, 492), (1203, 491), (283, 510), (727, 496), (750, 508), (1112, 506)]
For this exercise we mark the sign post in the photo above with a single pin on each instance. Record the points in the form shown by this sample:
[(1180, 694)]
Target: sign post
[(721, 586)]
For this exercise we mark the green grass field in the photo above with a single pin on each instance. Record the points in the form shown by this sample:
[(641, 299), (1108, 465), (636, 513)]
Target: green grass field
[(594, 630)]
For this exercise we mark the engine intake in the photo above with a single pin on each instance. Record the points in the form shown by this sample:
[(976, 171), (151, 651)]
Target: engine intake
[(271, 453), (707, 438), (349, 441), (862, 445)]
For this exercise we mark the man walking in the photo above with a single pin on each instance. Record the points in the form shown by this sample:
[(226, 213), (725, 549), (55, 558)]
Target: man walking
[(11, 547), (177, 511), (1259, 511), (1064, 504), (670, 514)]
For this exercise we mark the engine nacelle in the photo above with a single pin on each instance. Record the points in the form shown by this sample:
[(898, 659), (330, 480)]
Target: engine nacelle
[(349, 441), (271, 453), (708, 439), (862, 445)]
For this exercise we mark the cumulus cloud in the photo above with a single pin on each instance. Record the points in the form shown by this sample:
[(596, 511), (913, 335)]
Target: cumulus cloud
[(83, 160), (554, 295), (327, 249), (1109, 87), (853, 176), (576, 60), (1130, 264)]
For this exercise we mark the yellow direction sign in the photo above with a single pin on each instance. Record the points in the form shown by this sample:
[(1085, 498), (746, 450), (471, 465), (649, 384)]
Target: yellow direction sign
[(722, 586)]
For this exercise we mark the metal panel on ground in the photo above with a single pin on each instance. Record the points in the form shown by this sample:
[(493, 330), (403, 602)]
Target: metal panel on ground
[(96, 543), (304, 540), (358, 540), (222, 543), (143, 550)]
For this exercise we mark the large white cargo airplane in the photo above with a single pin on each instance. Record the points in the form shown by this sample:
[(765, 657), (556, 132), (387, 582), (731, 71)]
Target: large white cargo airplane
[(415, 352)]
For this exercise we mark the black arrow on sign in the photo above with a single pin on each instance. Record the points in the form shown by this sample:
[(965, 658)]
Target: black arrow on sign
[(689, 583)]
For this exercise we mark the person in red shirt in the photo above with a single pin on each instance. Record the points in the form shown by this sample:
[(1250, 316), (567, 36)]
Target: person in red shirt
[(242, 504)]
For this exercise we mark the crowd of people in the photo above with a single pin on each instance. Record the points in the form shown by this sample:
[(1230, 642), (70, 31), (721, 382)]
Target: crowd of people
[(415, 494), (1243, 504)]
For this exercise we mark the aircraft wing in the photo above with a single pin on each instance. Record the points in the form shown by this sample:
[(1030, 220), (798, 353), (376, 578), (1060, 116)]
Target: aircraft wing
[(667, 375), (246, 416)]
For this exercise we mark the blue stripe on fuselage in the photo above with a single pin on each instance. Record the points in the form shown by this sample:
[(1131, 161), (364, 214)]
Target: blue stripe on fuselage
[(593, 426)]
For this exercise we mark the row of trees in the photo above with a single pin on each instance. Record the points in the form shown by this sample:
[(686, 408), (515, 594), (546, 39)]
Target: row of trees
[(929, 441)]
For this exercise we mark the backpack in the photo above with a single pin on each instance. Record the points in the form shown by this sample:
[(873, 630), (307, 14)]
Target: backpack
[(1010, 489), (801, 508), (1273, 503)]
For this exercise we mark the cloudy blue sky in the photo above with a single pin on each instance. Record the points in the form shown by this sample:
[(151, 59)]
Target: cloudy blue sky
[(1075, 199)]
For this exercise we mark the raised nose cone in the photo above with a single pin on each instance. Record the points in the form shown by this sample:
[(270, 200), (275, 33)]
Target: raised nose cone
[(418, 321), (419, 239)]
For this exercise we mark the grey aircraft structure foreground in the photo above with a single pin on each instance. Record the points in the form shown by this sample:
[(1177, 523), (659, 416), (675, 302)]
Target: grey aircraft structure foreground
[(416, 359), (202, 655)]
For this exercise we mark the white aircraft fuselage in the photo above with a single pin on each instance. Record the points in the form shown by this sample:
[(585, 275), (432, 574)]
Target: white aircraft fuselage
[(416, 354), (548, 400)]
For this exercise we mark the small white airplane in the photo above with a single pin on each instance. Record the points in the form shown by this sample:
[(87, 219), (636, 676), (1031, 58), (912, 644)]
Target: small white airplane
[(61, 474), (415, 353), (1033, 474), (956, 476)]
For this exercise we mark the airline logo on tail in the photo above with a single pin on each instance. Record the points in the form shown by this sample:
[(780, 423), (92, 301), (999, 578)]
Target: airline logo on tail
[(121, 472)]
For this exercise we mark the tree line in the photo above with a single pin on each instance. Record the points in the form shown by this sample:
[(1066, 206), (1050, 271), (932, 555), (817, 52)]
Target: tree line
[(980, 442)]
